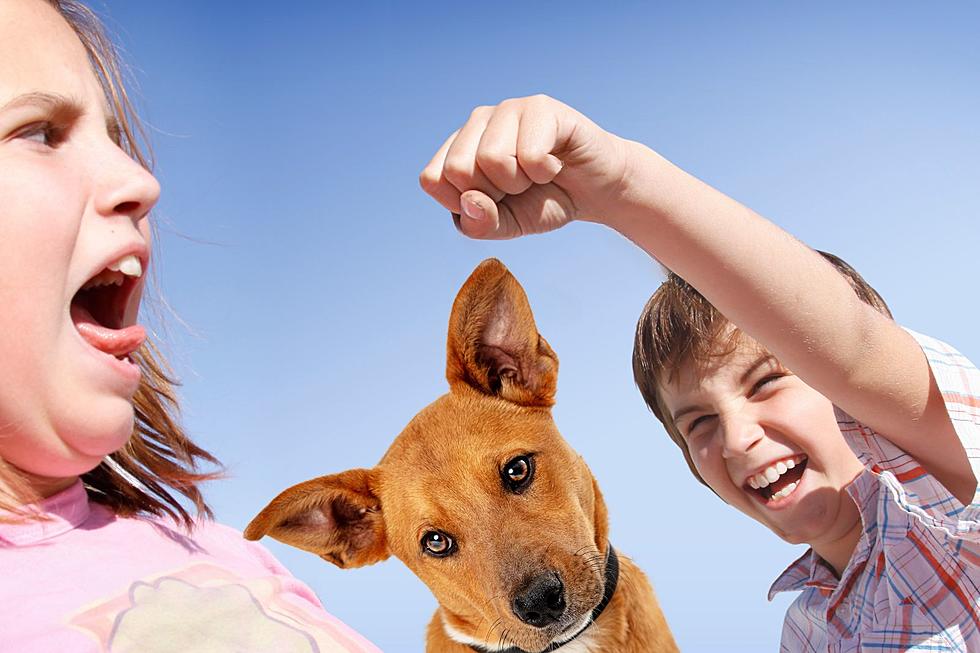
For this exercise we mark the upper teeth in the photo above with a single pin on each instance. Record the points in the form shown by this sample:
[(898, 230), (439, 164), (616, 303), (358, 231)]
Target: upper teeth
[(772, 473), (128, 265), (115, 273)]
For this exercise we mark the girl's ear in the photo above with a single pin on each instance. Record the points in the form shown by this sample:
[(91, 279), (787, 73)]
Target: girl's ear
[(337, 517), (494, 345)]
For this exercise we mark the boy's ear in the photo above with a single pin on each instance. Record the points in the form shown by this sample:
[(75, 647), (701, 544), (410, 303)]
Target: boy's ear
[(494, 345), (337, 517)]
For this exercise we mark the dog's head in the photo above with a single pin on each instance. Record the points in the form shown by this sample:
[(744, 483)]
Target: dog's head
[(480, 496)]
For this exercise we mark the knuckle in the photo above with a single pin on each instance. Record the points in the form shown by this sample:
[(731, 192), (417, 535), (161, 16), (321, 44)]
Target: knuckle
[(429, 179), (481, 112), (532, 157), (493, 159), (456, 171)]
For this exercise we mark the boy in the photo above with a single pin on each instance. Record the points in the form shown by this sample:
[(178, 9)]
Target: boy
[(757, 373)]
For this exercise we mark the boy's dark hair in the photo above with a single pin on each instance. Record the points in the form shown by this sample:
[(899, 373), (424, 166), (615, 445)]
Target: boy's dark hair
[(678, 325)]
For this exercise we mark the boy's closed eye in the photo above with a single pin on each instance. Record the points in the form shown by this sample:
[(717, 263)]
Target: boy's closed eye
[(700, 421), (769, 382), (766, 382)]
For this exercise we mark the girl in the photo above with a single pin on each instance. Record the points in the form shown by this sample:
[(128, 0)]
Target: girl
[(96, 553)]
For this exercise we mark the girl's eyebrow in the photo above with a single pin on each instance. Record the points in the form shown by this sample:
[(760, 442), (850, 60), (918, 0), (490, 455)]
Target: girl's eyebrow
[(55, 102), (63, 107)]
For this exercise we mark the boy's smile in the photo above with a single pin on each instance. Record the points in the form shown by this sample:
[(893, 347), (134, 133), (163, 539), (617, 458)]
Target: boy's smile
[(777, 481), (769, 445)]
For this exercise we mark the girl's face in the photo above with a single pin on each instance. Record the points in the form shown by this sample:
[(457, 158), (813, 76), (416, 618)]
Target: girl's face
[(72, 204), (769, 445)]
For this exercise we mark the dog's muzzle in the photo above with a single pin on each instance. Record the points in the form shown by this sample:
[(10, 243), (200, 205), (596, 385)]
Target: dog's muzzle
[(543, 595)]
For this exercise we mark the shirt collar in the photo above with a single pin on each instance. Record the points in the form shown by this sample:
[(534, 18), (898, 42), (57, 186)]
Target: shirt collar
[(810, 570), (51, 517)]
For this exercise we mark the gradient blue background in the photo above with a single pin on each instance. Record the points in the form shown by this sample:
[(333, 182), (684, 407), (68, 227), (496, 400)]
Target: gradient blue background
[(310, 279)]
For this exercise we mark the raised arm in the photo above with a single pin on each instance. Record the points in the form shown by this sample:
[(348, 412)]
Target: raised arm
[(791, 300), (531, 165)]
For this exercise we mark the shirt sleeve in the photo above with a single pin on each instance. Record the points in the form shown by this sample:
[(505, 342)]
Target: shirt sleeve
[(959, 381), (918, 493)]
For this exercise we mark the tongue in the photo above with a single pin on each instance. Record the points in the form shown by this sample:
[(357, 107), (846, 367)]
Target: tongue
[(116, 342)]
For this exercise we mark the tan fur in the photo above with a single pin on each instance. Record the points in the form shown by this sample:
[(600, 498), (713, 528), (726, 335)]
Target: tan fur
[(443, 472)]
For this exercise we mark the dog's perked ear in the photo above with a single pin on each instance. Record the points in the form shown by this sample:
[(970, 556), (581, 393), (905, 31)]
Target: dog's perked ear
[(337, 517), (494, 344)]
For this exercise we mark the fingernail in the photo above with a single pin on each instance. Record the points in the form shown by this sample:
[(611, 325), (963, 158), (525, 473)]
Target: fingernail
[(557, 164), (472, 210)]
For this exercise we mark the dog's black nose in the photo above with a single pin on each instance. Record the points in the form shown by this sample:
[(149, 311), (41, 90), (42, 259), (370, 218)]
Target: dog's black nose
[(542, 601)]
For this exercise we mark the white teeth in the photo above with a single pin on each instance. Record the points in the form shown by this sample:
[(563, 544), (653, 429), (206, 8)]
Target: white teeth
[(128, 265), (105, 278), (115, 273), (785, 491), (771, 474)]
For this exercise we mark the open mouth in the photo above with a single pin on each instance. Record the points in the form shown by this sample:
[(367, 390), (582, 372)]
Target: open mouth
[(98, 309), (779, 480)]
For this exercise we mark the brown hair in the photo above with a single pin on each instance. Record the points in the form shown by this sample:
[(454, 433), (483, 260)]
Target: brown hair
[(159, 459), (678, 325)]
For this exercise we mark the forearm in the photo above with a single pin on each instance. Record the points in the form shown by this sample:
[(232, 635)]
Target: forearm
[(772, 286)]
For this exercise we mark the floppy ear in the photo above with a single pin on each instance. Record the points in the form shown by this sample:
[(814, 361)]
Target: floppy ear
[(337, 517), (494, 345)]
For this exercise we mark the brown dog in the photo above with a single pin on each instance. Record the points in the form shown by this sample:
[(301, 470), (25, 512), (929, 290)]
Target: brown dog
[(482, 498)]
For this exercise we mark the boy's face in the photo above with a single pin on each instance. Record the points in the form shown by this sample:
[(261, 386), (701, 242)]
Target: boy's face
[(768, 444)]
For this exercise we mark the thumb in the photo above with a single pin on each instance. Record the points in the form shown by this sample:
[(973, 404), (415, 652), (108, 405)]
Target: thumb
[(479, 217)]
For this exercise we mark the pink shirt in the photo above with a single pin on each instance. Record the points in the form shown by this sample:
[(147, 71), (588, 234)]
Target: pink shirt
[(88, 581), (913, 582)]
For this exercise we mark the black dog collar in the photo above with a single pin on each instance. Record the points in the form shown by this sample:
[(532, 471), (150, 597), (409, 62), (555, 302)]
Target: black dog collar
[(612, 579)]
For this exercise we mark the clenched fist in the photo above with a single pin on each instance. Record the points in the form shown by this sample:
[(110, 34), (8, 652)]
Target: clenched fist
[(524, 166)]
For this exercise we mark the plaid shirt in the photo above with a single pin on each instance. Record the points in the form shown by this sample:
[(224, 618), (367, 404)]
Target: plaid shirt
[(913, 582)]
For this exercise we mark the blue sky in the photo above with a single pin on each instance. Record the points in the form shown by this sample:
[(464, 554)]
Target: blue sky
[(306, 280)]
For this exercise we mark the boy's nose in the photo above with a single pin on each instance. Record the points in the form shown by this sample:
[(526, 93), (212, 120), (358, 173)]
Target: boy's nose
[(739, 434)]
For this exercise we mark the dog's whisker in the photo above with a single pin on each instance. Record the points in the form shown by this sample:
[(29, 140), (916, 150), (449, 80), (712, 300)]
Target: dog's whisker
[(491, 629), (504, 638), (490, 602)]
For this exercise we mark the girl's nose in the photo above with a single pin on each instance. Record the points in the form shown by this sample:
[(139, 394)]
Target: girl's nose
[(740, 433), (125, 187)]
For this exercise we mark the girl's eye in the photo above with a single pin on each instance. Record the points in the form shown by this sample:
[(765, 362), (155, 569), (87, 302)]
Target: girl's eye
[(43, 133), (438, 544)]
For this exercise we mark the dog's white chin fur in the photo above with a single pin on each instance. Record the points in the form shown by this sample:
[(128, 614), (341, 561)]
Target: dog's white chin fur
[(581, 645)]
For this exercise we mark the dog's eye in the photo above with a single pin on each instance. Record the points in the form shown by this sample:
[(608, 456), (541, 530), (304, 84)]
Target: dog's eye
[(438, 544), (517, 473)]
